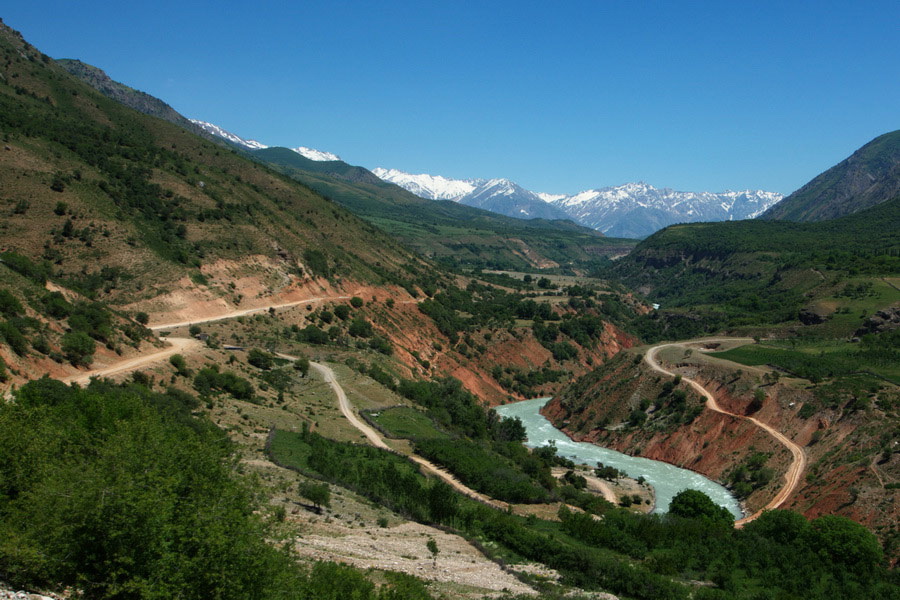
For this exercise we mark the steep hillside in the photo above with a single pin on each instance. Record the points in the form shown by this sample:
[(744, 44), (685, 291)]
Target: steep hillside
[(93, 183), (870, 176), (136, 99)]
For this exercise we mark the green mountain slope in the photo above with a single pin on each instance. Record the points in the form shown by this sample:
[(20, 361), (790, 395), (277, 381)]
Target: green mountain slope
[(454, 233), (756, 272), (868, 177), (136, 99)]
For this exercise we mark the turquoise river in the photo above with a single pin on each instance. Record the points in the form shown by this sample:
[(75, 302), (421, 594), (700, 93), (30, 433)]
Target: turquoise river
[(667, 480)]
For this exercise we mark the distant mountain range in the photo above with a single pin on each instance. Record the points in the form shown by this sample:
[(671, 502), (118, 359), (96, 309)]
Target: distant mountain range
[(496, 195), (627, 211), (633, 210)]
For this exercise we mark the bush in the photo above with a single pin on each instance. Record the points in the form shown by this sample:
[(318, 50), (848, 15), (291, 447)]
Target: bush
[(261, 360), (14, 338), (10, 305), (78, 348), (356, 302), (360, 327), (342, 311)]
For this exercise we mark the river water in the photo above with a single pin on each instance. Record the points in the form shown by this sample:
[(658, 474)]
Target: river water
[(667, 480)]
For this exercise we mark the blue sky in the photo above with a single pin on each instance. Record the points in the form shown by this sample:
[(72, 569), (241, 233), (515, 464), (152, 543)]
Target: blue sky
[(559, 97)]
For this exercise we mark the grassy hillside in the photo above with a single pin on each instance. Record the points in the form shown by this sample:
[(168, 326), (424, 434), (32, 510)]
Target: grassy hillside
[(869, 177), (750, 273), (88, 182)]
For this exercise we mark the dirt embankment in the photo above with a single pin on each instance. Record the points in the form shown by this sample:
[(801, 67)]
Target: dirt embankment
[(425, 351)]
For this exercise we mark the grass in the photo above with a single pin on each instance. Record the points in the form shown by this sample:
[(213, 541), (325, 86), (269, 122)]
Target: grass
[(407, 422), (829, 358)]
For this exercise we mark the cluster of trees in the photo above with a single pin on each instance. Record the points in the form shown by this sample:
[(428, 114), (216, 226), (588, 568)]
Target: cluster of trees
[(526, 383), (119, 491), (479, 468), (781, 554), (209, 380), (750, 475)]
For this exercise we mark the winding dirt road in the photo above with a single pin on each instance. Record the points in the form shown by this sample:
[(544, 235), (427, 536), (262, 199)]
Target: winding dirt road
[(798, 464), (375, 438)]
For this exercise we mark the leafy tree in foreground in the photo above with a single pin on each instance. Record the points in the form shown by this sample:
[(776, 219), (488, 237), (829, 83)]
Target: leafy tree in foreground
[(692, 504)]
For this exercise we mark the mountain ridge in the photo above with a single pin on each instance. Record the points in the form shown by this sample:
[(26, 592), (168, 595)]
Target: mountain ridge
[(631, 210), (869, 176)]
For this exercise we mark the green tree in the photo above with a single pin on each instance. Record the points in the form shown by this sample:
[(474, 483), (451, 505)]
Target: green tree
[(317, 493), (846, 543), (356, 302), (694, 504), (177, 361), (302, 366), (260, 360), (78, 348)]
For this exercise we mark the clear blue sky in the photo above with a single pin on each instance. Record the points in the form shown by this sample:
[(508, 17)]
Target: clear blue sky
[(559, 97)]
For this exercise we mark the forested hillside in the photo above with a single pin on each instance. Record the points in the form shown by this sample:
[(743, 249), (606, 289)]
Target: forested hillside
[(759, 272)]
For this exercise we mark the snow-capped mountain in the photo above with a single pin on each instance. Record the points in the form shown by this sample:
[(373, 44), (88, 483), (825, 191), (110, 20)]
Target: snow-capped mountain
[(496, 195), (227, 135), (318, 155), (633, 210), (637, 210), (432, 187), (217, 131), (507, 198)]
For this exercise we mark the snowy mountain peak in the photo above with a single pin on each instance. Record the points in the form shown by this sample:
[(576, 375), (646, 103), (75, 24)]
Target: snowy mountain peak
[(432, 187), (639, 209), (317, 155), (227, 135), (634, 209), (496, 195)]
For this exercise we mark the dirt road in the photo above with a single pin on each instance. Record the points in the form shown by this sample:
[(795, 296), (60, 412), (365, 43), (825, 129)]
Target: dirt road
[(798, 464), (244, 312), (375, 438), (178, 345)]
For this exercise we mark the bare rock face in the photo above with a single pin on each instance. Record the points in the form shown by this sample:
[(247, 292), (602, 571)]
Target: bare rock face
[(884, 320)]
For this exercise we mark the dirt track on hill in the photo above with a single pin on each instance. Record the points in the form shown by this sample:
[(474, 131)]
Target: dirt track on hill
[(178, 345), (375, 438), (243, 312), (798, 464)]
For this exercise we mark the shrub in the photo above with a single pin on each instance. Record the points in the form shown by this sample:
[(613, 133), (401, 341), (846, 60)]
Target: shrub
[(356, 302), (78, 348), (10, 305), (261, 360)]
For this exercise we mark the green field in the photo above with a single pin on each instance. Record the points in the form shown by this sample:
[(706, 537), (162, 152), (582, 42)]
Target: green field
[(817, 360), (406, 422)]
